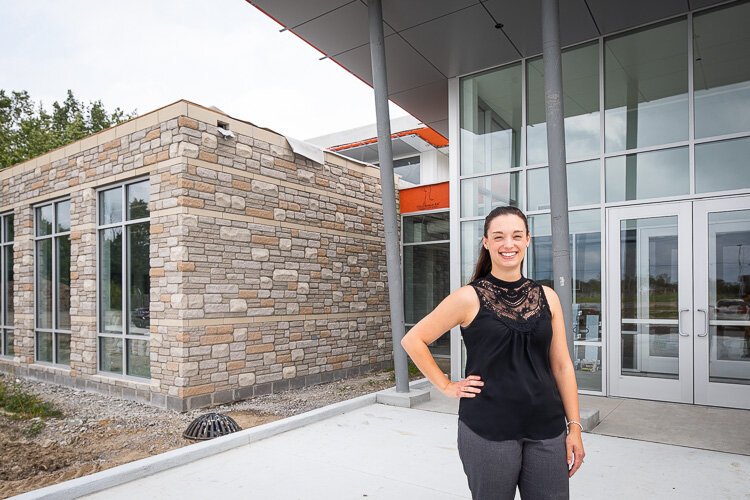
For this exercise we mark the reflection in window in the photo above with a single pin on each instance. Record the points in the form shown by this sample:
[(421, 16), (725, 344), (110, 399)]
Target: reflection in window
[(124, 287), (648, 175), (721, 166), (52, 285), (491, 121), (471, 241), (645, 87), (426, 227), (585, 258), (649, 268), (479, 195), (587, 362), (408, 169), (729, 296), (721, 71), (580, 77), (583, 185), (426, 277), (7, 280)]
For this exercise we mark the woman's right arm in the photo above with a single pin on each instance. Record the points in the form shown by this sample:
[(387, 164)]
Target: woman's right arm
[(458, 308)]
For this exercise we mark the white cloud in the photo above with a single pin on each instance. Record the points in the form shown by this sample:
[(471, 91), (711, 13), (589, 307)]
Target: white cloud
[(144, 54)]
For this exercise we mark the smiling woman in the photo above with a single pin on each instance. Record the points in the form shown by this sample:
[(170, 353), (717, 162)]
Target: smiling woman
[(520, 386)]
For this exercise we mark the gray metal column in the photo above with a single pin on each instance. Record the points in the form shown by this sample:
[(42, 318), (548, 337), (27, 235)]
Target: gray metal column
[(385, 157), (553, 104)]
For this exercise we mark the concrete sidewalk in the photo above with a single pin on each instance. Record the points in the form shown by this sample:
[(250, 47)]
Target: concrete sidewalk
[(361, 449), (386, 452)]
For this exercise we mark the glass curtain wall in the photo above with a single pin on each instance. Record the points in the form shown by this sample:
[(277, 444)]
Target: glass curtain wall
[(586, 270), (52, 282), (631, 141), (426, 247), (7, 315), (124, 285)]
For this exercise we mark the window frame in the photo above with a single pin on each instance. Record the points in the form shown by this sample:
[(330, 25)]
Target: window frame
[(123, 224), (4, 295), (53, 237)]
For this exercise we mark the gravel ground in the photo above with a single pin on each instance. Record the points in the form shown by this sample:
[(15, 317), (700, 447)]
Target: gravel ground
[(98, 432)]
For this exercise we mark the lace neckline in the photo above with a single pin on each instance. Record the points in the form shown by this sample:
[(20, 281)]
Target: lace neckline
[(518, 304), (512, 285)]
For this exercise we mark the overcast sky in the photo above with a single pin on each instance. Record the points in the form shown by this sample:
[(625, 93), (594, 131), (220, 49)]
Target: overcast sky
[(144, 54)]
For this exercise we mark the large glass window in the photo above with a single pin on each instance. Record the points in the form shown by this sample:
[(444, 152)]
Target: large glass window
[(479, 195), (583, 185), (472, 232), (721, 166), (580, 76), (721, 71), (585, 257), (491, 121), (426, 269), (52, 283), (653, 174), (645, 87), (124, 284), (7, 310)]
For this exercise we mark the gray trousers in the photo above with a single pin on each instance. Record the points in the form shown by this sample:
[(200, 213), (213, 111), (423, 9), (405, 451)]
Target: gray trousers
[(494, 468)]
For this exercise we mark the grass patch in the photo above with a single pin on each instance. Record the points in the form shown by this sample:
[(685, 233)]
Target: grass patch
[(22, 405), (34, 429)]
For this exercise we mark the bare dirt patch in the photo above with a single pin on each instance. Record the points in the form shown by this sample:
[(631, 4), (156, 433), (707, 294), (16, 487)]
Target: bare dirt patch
[(97, 432)]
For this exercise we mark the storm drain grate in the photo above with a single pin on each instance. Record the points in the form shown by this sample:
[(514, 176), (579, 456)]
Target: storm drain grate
[(209, 426)]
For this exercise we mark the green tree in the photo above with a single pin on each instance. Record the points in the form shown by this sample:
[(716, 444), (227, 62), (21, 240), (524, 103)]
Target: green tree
[(28, 130)]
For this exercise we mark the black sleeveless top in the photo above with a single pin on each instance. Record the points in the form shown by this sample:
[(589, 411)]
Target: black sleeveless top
[(507, 345)]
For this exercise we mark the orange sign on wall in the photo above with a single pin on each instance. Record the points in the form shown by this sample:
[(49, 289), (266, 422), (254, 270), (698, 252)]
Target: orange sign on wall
[(431, 197)]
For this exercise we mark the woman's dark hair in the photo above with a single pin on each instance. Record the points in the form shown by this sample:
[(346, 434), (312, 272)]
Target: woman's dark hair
[(484, 263)]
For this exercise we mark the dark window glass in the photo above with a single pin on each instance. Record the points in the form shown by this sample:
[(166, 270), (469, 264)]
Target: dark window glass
[(44, 283), (139, 284), (44, 220), (110, 206), (138, 197), (427, 227), (110, 275)]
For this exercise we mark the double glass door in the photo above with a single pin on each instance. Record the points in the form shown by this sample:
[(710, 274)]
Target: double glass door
[(679, 301)]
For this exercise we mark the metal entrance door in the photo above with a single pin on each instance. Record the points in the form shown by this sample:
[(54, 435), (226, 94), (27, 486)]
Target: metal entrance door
[(649, 260), (722, 300)]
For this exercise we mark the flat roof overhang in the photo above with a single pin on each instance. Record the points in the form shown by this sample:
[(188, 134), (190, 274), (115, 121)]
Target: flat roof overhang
[(429, 41)]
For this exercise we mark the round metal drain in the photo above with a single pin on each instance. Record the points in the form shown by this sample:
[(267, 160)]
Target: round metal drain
[(209, 426)]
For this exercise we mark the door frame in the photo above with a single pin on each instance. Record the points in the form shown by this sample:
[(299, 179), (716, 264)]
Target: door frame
[(707, 392), (675, 390)]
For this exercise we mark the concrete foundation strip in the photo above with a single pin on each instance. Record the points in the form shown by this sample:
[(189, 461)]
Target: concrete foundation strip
[(139, 469)]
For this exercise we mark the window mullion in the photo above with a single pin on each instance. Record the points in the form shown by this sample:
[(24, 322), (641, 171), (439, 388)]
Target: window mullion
[(123, 279), (54, 284)]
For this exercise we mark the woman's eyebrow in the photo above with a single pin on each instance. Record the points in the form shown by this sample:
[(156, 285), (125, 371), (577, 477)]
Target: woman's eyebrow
[(500, 232)]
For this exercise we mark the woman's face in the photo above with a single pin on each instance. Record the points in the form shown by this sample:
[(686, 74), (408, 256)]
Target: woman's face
[(507, 241)]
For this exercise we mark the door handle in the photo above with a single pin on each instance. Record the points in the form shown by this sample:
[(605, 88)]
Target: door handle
[(705, 329), (679, 323)]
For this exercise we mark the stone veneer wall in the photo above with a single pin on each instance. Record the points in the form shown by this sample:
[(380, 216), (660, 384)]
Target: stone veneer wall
[(267, 269)]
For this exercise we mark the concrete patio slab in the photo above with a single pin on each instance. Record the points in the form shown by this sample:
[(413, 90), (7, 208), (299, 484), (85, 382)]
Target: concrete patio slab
[(705, 427), (385, 452)]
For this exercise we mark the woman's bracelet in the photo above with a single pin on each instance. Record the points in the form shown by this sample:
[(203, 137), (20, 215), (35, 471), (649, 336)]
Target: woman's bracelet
[(574, 422)]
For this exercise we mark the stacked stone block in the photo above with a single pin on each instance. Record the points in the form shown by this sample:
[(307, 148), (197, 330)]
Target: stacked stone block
[(267, 268)]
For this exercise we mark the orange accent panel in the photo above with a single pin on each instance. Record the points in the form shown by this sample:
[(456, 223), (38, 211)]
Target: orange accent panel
[(425, 133), (430, 197)]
